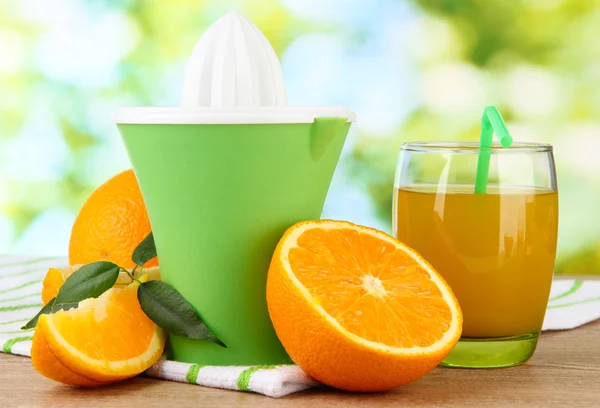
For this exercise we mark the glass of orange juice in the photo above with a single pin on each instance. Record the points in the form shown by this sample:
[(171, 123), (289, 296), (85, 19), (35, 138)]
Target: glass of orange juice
[(496, 250)]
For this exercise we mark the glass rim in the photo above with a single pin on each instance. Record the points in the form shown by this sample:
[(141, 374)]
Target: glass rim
[(465, 146)]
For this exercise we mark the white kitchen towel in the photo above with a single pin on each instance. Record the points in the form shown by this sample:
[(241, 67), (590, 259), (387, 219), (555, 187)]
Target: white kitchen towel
[(20, 299), (572, 303)]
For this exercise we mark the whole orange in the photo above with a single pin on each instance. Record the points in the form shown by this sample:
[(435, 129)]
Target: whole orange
[(111, 224)]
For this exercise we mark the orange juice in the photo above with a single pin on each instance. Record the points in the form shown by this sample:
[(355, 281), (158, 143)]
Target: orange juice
[(496, 250)]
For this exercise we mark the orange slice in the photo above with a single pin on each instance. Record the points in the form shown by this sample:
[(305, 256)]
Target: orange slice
[(104, 340), (357, 309), (55, 277), (46, 363)]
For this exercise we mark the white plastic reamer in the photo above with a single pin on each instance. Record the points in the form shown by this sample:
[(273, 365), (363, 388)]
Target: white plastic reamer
[(233, 65)]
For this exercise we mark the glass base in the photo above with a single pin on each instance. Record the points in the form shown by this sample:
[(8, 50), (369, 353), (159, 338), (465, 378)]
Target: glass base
[(492, 352)]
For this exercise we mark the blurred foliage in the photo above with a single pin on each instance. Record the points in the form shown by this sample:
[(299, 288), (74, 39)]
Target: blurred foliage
[(494, 47), (581, 262), (536, 60), (43, 84)]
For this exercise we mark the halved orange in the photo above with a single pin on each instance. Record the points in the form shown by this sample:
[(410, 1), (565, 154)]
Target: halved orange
[(55, 277), (357, 309), (104, 340)]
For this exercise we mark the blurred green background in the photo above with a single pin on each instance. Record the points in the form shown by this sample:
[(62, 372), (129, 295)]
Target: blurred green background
[(412, 70)]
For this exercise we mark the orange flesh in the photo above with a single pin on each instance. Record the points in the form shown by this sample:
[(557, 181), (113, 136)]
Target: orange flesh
[(52, 283), (373, 288), (104, 332)]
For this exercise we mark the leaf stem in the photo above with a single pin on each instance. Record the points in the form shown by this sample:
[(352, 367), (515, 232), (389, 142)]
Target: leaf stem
[(131, 274)]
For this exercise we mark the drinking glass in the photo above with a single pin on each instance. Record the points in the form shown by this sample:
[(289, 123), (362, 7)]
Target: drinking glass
[(496, 250)]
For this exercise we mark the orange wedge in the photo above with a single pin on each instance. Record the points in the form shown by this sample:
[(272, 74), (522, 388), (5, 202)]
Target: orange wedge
[(357, 309), (55, 277), (104, 340), (46, 363)]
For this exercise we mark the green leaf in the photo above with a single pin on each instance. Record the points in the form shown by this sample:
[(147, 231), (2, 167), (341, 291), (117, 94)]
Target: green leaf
[(50, 307), (89, 281), (169, 310), (145, 251)]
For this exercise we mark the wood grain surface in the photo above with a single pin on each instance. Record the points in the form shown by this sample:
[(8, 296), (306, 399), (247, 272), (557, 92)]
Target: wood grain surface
[(564, 372)]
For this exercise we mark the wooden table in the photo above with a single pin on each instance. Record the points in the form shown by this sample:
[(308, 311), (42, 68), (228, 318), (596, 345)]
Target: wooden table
[(564, 372)]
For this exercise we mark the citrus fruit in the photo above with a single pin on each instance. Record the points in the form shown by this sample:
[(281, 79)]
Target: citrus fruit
[(105, 339), (357, 309), (55, 277), (111, 224), (46, 363)]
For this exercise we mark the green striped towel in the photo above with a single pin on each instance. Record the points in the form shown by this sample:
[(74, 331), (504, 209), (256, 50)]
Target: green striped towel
[(572, 304), (20, 299)]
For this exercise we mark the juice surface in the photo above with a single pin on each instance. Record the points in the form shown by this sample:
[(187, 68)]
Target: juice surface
[(496, 250)]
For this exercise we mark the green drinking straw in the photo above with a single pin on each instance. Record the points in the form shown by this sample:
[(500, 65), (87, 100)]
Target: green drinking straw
[(491, 122)]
